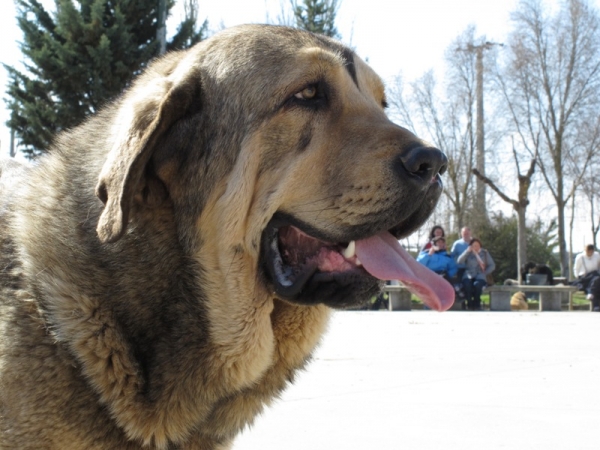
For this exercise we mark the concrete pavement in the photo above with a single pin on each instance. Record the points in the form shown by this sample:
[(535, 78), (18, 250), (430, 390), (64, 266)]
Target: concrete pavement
[(422, 380)]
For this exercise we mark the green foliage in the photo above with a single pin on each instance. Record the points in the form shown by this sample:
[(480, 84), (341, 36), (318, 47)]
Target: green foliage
[(317, 16), (188, 33), (500, 239), (78, 59)]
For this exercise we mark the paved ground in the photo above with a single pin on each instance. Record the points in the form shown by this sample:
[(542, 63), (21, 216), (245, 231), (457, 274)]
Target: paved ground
[(422, 380)]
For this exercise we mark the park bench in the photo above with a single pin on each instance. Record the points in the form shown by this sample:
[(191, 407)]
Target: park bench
[(398, 298), (550, 296)]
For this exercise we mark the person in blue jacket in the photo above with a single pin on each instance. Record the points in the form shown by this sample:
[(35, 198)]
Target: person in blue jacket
[(437, 259)]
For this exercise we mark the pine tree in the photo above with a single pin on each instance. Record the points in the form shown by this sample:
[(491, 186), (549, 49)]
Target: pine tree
[(317, 16), (78, 59)]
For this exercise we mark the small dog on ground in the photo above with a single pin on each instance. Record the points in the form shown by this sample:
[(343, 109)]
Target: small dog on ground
[(518, 302)]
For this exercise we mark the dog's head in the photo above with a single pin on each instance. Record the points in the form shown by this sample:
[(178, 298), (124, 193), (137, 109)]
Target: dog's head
[(274, 149)]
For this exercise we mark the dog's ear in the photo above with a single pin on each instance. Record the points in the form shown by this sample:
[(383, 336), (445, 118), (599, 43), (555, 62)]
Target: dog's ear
[(147, 112)]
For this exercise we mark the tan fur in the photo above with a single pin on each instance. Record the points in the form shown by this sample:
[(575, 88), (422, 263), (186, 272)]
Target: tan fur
[(135, 311), (518, 302)]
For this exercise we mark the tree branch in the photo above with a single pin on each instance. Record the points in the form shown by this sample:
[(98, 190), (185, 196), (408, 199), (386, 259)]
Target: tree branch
[(495, 188)]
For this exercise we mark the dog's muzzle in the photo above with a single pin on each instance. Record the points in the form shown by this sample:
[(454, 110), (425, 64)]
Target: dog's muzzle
[(420, 166)]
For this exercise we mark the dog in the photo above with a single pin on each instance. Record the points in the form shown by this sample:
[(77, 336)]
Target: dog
[(518, 302), (540, 269), (172, 262), (532, 268)]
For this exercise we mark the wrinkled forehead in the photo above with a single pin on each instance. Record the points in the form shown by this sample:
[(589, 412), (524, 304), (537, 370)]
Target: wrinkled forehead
[(363, 76), (262, 66), (332, 57)]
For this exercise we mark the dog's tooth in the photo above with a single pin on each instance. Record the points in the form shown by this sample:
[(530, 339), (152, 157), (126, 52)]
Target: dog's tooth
[(358, 263), (350, 250)]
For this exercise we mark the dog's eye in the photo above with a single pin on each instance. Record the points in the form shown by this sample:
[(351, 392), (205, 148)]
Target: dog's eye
[(308, 93), (313, 96)]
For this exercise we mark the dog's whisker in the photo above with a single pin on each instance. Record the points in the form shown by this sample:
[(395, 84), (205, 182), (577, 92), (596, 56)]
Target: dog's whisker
[(320, 200)]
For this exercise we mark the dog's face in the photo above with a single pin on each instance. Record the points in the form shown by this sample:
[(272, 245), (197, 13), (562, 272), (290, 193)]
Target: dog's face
[(281, 164)]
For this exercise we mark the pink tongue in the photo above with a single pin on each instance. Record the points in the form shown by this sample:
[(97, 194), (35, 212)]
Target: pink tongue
[(384, 258)]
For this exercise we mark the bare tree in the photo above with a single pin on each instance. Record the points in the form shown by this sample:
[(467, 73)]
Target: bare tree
[(551, 82), (448, 126), (590, 183), (519, 205), (448, 120)]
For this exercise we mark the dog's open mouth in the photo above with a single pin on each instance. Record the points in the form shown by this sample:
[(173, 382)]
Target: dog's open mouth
[(308, 270)]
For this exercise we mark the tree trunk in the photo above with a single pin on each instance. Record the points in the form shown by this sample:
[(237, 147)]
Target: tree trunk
[(562, 244), (521, 242), (571, 224)]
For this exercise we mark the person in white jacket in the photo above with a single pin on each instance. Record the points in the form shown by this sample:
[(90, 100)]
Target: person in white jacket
[(586, 262), (587, 272)]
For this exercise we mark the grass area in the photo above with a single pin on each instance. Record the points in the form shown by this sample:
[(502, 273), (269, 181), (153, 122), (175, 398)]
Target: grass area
[(418, 304), (579, 301)]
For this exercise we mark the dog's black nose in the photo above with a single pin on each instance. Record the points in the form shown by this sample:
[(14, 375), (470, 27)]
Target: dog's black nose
[(423, 162)]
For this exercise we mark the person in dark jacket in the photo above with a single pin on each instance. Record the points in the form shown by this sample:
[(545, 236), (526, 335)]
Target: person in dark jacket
[(436, 231), (537, 269)]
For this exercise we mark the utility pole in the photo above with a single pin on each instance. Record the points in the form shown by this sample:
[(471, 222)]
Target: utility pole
[(480, 204), (161, 31), (12, 149)]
